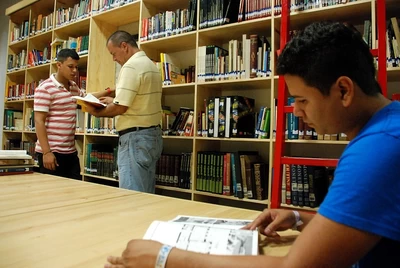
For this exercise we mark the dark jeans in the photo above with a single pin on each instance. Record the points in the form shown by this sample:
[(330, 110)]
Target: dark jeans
[(68, 166)]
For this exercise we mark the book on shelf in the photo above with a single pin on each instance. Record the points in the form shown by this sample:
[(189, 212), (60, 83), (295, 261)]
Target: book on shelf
[(205, 235), (88, 99)]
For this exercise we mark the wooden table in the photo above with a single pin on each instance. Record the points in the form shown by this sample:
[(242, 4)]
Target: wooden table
[(47, 221)]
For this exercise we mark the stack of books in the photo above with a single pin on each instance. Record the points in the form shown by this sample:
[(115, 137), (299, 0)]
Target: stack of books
[(15, 162)]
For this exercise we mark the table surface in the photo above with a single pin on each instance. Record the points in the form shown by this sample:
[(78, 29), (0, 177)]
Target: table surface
[(48, 221)]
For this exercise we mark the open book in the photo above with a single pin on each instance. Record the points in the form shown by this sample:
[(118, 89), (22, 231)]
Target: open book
[(89, 98), (205, 235)]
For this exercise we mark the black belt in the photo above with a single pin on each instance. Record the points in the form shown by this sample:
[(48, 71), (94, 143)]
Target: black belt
[(132, 129)]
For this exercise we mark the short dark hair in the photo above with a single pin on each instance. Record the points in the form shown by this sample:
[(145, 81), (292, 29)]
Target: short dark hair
[(66, 53), (324, 51), (122, 36)]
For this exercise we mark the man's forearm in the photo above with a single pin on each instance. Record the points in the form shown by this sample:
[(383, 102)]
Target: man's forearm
[(41, 133), (179, 258), (110, 110)]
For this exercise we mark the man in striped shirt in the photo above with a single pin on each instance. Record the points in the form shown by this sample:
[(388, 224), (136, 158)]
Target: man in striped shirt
[(137, 105), (55, 118)]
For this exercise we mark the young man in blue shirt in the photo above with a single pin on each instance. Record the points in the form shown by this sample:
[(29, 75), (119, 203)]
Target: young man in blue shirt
[(330, 72)]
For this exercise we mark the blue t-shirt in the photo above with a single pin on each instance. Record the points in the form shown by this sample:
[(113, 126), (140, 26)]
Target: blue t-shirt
[(365, 193)]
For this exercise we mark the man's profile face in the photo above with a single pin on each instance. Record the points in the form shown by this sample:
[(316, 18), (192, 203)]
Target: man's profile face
[(68, 68), (317, 110), (117, 52)]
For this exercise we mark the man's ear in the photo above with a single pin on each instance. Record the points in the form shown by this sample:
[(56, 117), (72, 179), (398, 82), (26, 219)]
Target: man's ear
[(345, 90), (58, 65)]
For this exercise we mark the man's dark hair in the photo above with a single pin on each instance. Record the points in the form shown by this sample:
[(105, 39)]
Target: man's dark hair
[(323, 52), (122, 36), (66, 53)]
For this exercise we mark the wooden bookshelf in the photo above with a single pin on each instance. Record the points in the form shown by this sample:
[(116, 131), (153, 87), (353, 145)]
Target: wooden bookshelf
[(101, 73)]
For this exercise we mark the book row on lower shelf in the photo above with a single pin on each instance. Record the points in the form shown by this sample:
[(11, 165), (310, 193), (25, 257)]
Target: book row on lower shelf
[(101, 160), (305, 185), (242, 174), (174, 170)]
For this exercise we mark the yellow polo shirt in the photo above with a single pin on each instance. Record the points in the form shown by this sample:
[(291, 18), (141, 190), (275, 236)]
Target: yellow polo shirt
[(139, 87)]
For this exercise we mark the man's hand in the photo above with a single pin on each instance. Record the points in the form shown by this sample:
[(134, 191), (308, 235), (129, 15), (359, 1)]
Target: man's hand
[(50, 161), (106, 100), (138, 253), (272, 220)]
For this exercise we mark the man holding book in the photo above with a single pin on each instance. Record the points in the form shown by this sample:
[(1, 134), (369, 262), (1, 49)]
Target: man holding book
[(55, 118), (137, 105), (330, 72)]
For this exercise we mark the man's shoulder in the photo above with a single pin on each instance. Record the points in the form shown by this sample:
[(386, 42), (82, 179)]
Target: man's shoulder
[(46, 84)]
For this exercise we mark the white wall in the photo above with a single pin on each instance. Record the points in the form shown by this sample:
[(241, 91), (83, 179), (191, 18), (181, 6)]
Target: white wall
[(3, 55)]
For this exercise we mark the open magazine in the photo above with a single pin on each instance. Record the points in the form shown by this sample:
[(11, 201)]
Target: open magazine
[(89, 98), (205, 235)]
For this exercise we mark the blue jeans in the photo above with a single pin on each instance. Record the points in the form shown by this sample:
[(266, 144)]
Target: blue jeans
[(138, 153)]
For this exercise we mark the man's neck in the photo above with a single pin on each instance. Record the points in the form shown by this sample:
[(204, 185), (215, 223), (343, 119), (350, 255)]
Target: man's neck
[(62, 80)]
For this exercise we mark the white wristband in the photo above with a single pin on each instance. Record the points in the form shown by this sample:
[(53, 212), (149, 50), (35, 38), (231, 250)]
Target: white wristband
[(298, 220), (163, 256)]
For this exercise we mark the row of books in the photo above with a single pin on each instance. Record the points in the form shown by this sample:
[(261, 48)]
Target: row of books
[(80, 44), (16, 61), (41, 24), (19, 32), (174, 170), (393, 43), (101, 160), (241, 174), (13, 120), (14, 91), (181, 124), (171, 71), (229, 117), (169, 23), (97, 125), (71, 14), (104, 5), (248, 58), (305, 185), (38, 57)]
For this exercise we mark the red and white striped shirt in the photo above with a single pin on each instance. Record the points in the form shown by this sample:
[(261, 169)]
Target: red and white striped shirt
[(54, 99)]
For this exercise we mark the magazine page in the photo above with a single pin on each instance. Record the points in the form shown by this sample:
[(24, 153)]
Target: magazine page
[(207, 239), (217, 222), (89, 98)]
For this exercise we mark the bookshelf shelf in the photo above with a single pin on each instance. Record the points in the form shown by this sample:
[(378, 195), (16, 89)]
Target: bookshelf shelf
[(178, 137), (20, 72), (99, 177), (393, 74), (18, 45), (13, 131), (40, 68), (79, 134), (238, 84), (318, 142), (222, 34), (118, 16), (83, 60), (29, 132), (13, 102), (175, 189), (77, 28), (41, 37), (264, 202), (233, 139), (29, 100), (101, 135), (179, 89), (358, 10), (165, 5), (179, 42)]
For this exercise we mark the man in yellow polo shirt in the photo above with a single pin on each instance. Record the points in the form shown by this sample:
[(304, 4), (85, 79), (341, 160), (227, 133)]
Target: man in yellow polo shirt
[(137, 106)]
